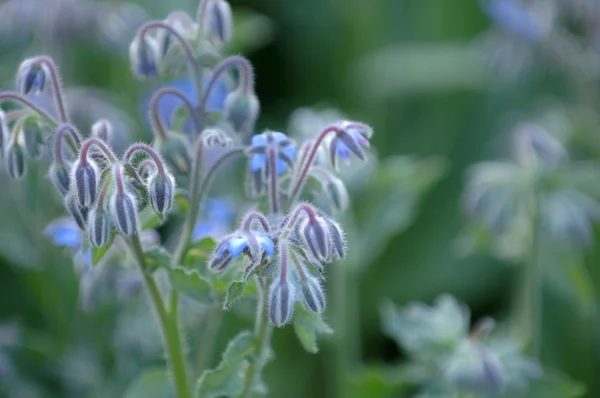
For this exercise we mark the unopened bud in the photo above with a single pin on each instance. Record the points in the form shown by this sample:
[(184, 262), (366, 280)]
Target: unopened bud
[(161, 192), (337, 238), (34, 142), (31, 77), (337, 193), (98, 227), (79, 213), (85, 180), (15, 161), (220, 25), (143, 54), (60, 175), (474, 367), (175, 151), (102, 129), (281, 302), (124, 213), (316, 237), (311, 294), (242, 109)]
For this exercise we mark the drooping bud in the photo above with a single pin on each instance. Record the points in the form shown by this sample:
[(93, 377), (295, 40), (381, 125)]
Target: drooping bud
[(32, 76), (352, 137), (79, 213), (474, 367), (219, 21), (311, 294), (102, 129), (60, 175), (242, 110), (84, 179), (124, 213), (536, 147), (34, 142), (98, 227), (143, 55), (176, 152), (281, 302), (15, 161), (219, 261), (315, 234), (181, 22), (161, 192), (4, 132), (336, 236), (337, 193)]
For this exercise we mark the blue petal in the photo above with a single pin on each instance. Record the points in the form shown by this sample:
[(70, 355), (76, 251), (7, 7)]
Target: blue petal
[(343, 150), (279, 137), (281, 166), (221, 210), (64, 232), (203, 229), (258, 162), (290, 151), (259, 140), (267, 244), (236, 246), (514, 18)]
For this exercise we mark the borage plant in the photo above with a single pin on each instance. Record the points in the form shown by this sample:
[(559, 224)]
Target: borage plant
[(283, 244)]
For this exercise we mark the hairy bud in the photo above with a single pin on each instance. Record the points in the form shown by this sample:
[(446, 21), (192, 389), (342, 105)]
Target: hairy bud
[(102, 129), (336, 236), (311, 294), (15, 161), (124, 213), (161, 192), (98, 227), (143, 55), (219, 23), (60, 175), (281, 302), (31, 77), (175, 151), (315, 234), (79, 213), (337, 193), (34, 142), (242, 110), (84, 180)]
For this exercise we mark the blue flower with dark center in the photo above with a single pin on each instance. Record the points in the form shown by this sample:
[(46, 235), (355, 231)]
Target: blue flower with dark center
[(216, 219), (167, 104), (513, 17), (236, 245), (286, 151), (342, 149)]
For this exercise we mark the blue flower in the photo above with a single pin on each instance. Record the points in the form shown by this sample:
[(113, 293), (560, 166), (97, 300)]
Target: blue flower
[(286, 151), (513, 17), (342, 149), (167, 104), (65, 232), (216, 219), (236, 245)]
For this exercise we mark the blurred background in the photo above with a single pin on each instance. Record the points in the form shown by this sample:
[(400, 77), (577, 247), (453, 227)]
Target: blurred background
[(442, 81)]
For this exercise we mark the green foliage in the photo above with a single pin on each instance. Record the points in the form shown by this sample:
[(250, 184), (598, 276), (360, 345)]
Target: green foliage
[(190, 283), (308, 326), (155, 258), (151, 383), (234, 292)]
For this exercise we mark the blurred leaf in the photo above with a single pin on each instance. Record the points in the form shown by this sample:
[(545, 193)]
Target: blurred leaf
[(569, 276), (149, 219), (555, 385), (199, 252), (307, 326), (228, 378), (182, 202), (152, 383), (385, 382), (252, 31), (234, 292), (420, 68), (99, 252), (190, 283), (155, 258)]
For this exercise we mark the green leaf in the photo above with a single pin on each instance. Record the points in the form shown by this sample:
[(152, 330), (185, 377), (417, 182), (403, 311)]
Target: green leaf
[(199, 252), (190, 283), (252, 31), (99, 252), (234, 292), (386, 382), (155, 258), (151, 383), (150, 219), (554, 385), (227, 379), (307, 326)]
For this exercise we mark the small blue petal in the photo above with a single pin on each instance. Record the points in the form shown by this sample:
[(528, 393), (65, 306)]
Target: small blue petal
[(267, 244), (236, 246), (281, 166), (343, 150), (290, 151), (64, 232), (203, 229), (279, 137), (258, 162), (259, 140)]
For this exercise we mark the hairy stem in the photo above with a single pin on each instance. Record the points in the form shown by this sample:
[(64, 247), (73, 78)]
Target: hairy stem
[(245, 71), (170, 333), (26, 102), (155, 118), (56, 86)]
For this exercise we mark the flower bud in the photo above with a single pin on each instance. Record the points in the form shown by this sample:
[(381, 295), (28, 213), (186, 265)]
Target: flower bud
[(281, 302), (124, 213), (337, 193), (336, 236), (219, 261), (315, 234), (311, 294), (161, 192), (102, 129), (242, 110), (182, 23), (474, 367), (98, 227), (60, 175), (79, 213), (143, 55), (220, 25), (4, 132), (33, 132), (175, 151), (31, 76), (85, 180), (15, 161)]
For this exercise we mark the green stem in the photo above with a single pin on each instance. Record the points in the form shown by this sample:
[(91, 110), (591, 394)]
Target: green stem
[(170, 332), (262, 336)]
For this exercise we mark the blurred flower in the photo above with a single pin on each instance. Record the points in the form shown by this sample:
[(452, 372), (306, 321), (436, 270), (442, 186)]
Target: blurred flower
[(218, 214), (512, 16), (64, 232), (286, 151), (168, 104)]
